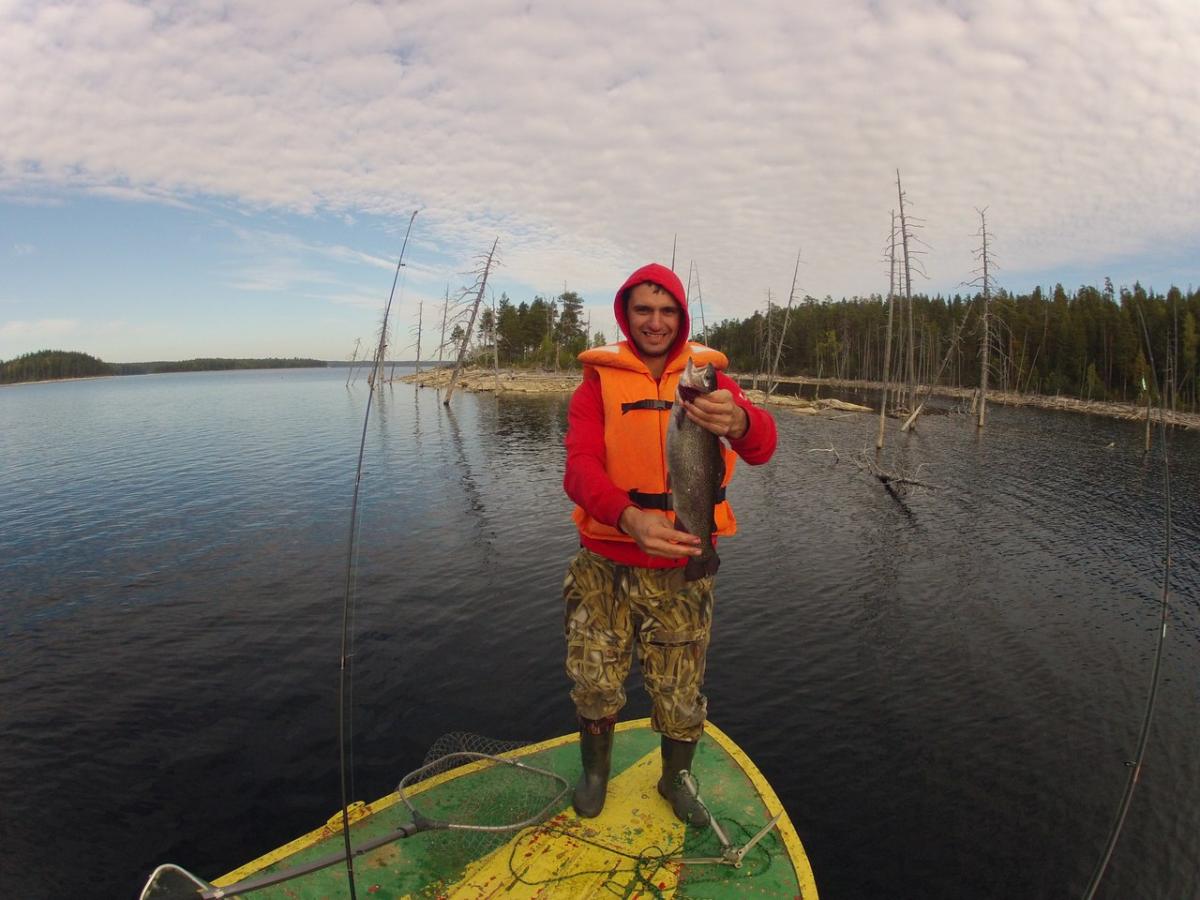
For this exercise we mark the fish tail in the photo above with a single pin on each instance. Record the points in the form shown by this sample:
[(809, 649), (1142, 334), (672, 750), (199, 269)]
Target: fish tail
[(703, 566)]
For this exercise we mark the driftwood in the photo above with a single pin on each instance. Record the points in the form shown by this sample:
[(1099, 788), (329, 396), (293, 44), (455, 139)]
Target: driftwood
[(504, 382), (837, 458), (869, 462), (805, 407)]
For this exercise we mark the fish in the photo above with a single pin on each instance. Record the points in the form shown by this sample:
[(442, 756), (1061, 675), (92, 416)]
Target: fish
[(695, 470)]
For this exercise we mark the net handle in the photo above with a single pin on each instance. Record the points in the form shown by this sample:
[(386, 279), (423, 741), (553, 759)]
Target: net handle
[(419, 824)]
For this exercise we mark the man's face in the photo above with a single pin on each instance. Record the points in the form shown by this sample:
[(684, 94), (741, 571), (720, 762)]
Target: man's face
[(653, 320)]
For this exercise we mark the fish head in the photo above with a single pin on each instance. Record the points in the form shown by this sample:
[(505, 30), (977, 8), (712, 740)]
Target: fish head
[(694, 380)]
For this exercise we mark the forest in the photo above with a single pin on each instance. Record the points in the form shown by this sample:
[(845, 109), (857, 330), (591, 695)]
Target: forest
[(214, 364), (1089, 343), (1094, 343), (49, 365), (46, 365), (545, 332)]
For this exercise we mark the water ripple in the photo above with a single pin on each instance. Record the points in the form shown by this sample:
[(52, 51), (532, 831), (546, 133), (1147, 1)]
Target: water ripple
[(943, 692)]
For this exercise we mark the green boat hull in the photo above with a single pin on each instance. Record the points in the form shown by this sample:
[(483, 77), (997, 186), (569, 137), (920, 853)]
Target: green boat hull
[(634, 848)]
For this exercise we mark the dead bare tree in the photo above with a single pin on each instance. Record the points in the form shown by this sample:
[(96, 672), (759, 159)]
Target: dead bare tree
[(445, 312), (774, 373), (908, 423), (887, 341), (911, 261), (375, 375), (766, 357), (353, 360), (495, 342), (983, 281), (392, 373), (420, 319), (481, 285), (700, 298), (758, 337)]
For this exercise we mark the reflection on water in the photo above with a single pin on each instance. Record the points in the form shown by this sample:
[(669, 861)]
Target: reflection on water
[(942, 692)]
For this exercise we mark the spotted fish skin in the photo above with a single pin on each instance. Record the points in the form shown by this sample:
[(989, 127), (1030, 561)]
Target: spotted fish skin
[(695, 468)]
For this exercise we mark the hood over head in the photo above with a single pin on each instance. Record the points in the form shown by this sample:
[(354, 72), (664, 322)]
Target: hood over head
[(656, 273)]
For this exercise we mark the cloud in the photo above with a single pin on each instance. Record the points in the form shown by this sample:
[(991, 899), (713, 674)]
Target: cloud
[(138, 195), (20, 249), (349, 254), (586, 145), (40, 329), (279, 261)]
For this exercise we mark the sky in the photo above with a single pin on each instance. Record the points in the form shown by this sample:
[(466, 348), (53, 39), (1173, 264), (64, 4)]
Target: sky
[(235, 178)]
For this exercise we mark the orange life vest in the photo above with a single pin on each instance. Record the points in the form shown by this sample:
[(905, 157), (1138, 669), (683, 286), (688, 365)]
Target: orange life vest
[(637, 412)]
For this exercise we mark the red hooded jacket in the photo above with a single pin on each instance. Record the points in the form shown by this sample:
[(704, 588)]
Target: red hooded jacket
[(586, 480)]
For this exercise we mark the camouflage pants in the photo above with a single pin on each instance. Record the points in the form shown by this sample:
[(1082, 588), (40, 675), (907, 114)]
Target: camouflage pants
[(608, 606)]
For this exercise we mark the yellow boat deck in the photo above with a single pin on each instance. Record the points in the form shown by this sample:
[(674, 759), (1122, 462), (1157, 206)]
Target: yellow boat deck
[(634, 848)]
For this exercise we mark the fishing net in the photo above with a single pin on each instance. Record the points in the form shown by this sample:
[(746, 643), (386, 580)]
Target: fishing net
[(437, 758), (484, 795)]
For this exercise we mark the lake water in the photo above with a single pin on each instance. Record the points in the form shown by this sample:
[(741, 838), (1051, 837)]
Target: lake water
[(943, 692)]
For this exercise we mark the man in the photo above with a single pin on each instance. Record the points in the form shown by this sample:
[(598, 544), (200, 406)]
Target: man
[(626, 586)]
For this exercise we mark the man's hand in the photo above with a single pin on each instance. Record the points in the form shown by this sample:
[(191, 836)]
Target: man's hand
[(716, 412), (655, 534)]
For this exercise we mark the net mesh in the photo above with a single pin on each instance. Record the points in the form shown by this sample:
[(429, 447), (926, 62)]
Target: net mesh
[(464, 742), (477, 791)]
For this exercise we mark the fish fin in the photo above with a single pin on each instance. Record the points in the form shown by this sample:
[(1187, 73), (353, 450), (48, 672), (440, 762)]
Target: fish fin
[(702, 566)]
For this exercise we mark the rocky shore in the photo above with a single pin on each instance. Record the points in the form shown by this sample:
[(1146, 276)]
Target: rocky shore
[(507, 381), (521, 381)]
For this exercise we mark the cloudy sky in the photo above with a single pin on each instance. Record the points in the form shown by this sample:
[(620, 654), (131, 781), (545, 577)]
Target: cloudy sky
[(234, 178)]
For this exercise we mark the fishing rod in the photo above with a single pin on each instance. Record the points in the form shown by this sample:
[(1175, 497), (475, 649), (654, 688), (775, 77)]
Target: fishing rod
[(1135, 766), (343, 680), (518, 806)]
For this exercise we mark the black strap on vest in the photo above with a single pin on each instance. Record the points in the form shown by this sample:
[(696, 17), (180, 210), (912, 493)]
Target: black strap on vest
[(659, 405), (663, 501)]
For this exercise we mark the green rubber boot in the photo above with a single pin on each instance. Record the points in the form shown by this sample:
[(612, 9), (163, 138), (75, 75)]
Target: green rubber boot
[(677, 758), (595, 747)]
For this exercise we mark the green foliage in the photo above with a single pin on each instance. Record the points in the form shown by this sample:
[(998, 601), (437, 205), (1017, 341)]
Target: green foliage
[(47, 365), (545, 332), (570, 331), (1087, 342), (215, 364), (487, 326)]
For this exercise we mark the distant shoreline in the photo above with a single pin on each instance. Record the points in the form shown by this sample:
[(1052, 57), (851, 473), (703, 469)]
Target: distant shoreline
[(33, 365), (520, 381), (12, 384)]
